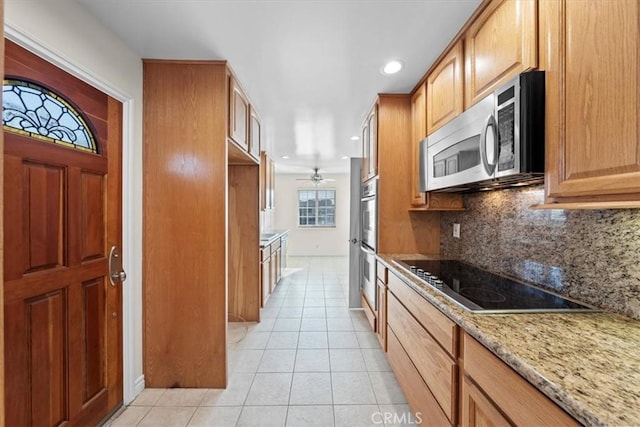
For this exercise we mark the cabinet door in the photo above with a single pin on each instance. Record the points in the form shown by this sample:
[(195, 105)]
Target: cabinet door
[(373, 142), (438, 100), (477, 410), (499, 44), (272, 273), (264, 173), (238, 115), (382, 315), (445, 89), (267, 182), (364, 172), (591, 58), (418, 133), (254, 135), (278, 266), (266, 280), (272, 184)]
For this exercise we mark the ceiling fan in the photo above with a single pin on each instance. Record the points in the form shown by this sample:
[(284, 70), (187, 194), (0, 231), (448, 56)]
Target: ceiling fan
[(316, 178)]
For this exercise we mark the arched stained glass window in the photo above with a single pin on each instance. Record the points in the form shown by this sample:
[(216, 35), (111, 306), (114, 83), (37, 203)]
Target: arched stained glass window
[(35, 111)]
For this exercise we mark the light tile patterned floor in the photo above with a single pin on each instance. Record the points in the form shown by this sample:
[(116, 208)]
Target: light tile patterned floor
[(310, 362)]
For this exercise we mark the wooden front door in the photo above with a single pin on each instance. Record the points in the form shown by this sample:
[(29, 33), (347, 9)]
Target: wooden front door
[(62, 214)]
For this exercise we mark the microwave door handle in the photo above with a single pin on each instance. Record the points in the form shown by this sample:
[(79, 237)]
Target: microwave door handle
[(489, 123)]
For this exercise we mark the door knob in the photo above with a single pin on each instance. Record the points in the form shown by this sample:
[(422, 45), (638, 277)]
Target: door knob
[(116, 273)]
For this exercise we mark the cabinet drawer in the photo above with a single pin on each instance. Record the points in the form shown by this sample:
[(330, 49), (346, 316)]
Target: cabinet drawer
[(275, 245), (501, 383), (435, 366), (381, 272), (422, 402), (439, 325), (265, 253)]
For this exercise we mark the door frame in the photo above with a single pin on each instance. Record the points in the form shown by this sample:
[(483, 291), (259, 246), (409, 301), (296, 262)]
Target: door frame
[(131, 385)]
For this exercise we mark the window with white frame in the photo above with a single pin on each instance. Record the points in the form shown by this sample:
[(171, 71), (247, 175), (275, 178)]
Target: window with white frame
[(317, 208)]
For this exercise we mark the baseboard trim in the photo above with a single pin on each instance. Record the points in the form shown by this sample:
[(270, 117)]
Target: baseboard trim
[(139, 386)]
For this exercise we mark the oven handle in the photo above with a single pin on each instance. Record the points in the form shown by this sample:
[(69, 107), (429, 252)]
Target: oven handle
[(367, 250)]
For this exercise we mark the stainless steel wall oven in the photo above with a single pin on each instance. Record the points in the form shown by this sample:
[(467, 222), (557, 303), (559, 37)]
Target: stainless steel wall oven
[(369, 209)]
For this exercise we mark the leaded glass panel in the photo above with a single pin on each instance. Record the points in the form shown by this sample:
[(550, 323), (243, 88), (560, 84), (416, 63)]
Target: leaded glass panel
[(32, 110)]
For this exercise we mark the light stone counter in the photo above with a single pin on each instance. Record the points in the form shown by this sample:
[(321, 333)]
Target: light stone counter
[(269, 236), (588, 363)]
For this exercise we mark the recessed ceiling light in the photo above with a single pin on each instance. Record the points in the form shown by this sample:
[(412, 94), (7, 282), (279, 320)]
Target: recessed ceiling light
[(355, 138), (345, 157), (392, 67), (285, 157)]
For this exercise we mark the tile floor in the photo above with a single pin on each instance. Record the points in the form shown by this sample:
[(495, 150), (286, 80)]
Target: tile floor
[(310, 362)]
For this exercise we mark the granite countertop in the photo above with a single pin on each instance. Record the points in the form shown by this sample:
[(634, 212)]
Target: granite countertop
[(588, 363), (268, 236)]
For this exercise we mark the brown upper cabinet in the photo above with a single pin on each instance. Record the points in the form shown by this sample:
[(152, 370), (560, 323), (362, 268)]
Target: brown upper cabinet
[(444, 90), (238, 115), (591, 52), (500, 43), (267, 182), (370, 145), (255, 136)]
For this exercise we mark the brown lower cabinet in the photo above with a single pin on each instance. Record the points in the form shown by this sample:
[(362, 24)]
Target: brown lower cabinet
[(448, 377), (265, 274), (494, 394), (424, 406), (270, 269), (435, 367)]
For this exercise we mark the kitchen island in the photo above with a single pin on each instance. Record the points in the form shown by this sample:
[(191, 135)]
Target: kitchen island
[(586, 363)]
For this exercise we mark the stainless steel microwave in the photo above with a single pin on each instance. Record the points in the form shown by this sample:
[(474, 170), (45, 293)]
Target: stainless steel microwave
[(497, 142)]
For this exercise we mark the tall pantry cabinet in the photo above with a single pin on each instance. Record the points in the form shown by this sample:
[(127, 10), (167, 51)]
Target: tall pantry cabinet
[(200, 181)]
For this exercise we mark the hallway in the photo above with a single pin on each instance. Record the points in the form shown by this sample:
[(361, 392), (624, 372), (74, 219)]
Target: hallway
[(310, 362)]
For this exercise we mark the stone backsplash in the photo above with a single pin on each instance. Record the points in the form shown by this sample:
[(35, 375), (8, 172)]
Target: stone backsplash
[(589, 255)]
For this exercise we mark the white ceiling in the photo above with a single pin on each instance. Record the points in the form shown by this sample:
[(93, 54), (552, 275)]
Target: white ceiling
[(310, 67)]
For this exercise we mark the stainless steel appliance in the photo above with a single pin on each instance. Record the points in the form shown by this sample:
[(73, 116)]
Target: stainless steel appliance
[(480, 291), (495, 143), (369, 276), (369, 209)]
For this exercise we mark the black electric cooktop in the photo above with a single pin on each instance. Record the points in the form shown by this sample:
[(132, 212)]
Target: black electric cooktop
[(480, 291)]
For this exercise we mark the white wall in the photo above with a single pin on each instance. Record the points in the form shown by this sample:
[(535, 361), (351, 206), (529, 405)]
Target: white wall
[(63, 32), (312, 241)]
